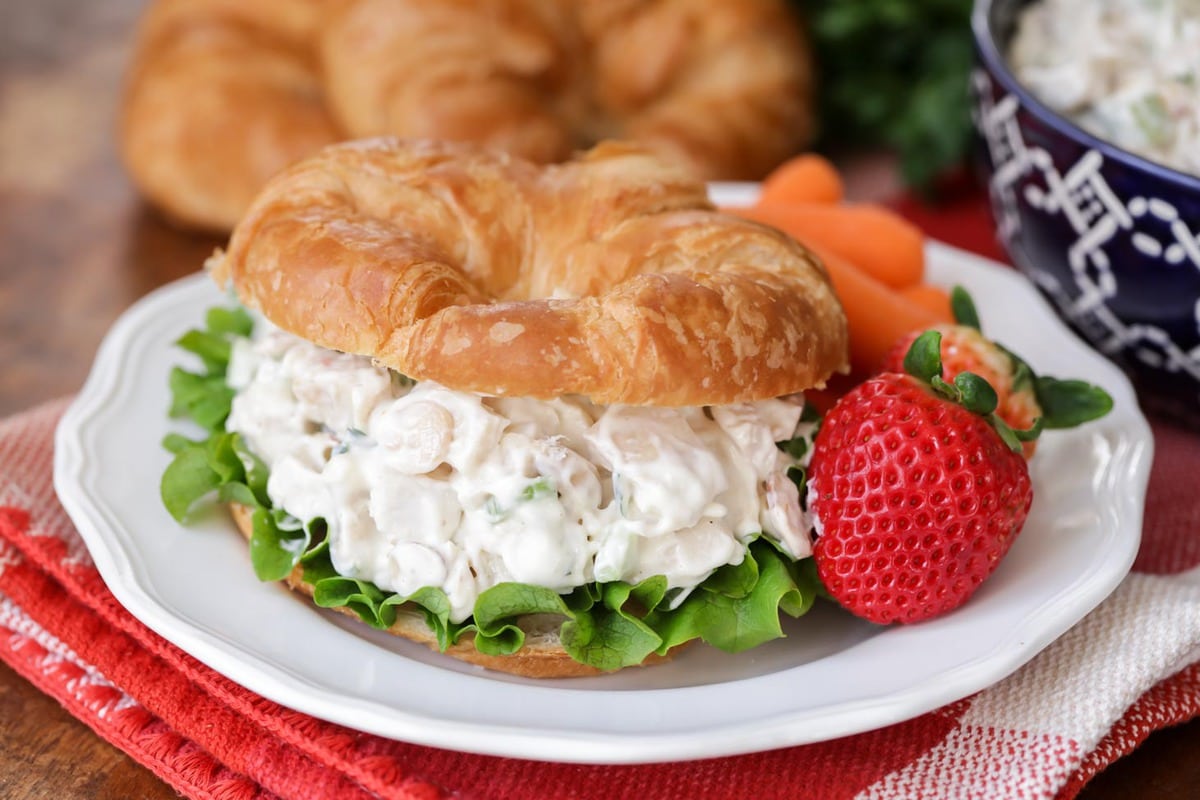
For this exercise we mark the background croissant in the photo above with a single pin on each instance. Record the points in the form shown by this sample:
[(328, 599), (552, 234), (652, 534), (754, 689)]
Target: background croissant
[(222, 94)]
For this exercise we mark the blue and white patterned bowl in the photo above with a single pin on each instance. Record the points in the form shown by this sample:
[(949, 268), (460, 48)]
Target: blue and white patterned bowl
[(1111, 238)]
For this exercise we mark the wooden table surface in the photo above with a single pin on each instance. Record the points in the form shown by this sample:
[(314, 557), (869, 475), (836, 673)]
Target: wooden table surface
[(76, 248)]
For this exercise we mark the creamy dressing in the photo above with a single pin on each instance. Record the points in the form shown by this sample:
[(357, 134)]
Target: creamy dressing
[(421, 485), (1126, 70)]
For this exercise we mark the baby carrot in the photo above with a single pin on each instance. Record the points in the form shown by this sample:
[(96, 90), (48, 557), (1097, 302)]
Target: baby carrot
[(877, 315), (932, 298), (807, 178), (871, 237)]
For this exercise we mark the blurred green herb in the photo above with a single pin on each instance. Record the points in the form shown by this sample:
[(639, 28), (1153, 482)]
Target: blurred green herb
[(893, 74)]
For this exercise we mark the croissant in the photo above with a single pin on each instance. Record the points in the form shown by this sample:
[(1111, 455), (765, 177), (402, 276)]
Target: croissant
[(222, 94), (609, 276)]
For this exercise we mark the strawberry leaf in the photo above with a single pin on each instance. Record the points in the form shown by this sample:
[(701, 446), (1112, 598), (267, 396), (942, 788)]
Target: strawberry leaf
[(924, 357), (945, 389), (963, 308), (1032, 432), (1014, 436), (976, 394), (1007, 434), (1067, 403), (1023, 377)]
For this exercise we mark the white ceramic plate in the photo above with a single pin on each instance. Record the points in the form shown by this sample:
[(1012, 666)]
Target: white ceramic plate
[(834, 675)]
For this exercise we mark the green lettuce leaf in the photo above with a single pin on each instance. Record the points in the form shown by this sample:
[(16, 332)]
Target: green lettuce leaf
[(734, 623), (204, 396), (275, 546), (186, 480), (607, 626), (220, 468)]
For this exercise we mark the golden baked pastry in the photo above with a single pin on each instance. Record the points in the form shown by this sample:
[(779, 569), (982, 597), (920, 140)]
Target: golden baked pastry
[(610, 276), (222, 93)]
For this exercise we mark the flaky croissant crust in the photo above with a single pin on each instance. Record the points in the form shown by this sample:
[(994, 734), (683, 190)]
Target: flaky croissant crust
[(610, 276), (224, 93)]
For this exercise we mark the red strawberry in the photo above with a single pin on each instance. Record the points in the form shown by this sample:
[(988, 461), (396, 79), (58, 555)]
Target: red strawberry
[(917, 494), (965, 349)]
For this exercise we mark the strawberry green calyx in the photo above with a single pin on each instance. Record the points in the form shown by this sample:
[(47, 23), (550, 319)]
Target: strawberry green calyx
[(924, 362), (1069, 403), (963, 308), (1023, 395), (1064, 403)]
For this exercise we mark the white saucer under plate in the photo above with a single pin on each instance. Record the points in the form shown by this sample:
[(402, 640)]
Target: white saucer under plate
[(833, 675)]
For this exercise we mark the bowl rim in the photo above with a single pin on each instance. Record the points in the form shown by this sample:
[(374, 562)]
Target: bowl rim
[(997, 65)]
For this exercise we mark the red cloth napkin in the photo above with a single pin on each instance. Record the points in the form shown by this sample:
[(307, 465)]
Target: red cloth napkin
[(1129, 668)]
